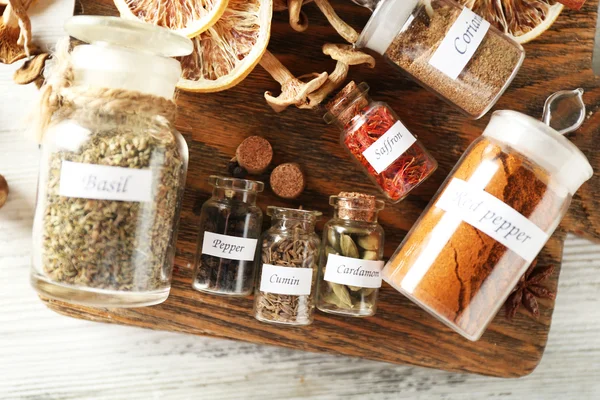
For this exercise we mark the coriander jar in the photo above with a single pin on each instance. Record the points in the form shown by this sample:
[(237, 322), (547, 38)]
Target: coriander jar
[(446, 48), (488, 222), (285, 291), (391, 156), (351, 256), (113, 167), (230, 227)]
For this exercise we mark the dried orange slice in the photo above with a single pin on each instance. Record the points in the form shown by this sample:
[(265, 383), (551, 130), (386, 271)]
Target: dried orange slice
[(229, 50), (524, 20), (186, 17)]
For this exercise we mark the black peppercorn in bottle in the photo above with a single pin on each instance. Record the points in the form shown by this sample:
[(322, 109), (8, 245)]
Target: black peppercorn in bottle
[(230, 226)]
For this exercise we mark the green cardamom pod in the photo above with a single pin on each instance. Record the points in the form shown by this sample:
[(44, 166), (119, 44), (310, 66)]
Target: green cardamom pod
[(349, 248), (370, 255), (369, 242), (354, 288), (332, 237), (330, 250), (342, 294)]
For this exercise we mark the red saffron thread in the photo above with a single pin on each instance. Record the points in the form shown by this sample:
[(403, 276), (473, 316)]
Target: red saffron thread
[(404, 174)]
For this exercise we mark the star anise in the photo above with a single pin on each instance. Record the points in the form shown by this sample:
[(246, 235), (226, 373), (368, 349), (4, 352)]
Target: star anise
[(528, 289)]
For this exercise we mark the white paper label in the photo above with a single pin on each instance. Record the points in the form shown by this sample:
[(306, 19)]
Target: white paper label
[(230, 247), (353, 271), (460, 44), (493, 217), (389, 147), (286, 280), (101, 182)]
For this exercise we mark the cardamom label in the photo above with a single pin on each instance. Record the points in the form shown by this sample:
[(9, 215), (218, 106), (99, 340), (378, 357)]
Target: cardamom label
[(496, 219), (460, 43), (389, 147), (353, 271), (286, 280), (102, 182), (230, 247)]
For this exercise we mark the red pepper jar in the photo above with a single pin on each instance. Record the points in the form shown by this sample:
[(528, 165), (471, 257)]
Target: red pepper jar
[(376, 138)]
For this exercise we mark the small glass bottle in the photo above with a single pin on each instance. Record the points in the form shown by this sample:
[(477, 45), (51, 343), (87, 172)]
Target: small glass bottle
[(378, 141), (351, 256), (488, 222), (290, 251), (230, 226), (446, 48), (112, 172)]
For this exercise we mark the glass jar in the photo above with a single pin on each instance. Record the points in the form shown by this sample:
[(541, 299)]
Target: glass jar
[(230, 226), (377, 140), (488, 222), (447, 49), (287, 276), (112, 172), (351, 256)]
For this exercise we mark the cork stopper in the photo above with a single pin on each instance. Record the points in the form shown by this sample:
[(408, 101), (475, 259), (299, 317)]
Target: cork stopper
[(254, 154), (347, 103), (288, 181), (357, 206)]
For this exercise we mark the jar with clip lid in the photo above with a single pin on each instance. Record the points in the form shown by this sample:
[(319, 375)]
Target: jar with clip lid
[(113, 166), (446, 48), (351, 256)]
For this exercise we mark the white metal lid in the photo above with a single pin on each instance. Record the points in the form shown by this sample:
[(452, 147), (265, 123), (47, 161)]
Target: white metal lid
[(385, 23), (543, 145), (125, 54)]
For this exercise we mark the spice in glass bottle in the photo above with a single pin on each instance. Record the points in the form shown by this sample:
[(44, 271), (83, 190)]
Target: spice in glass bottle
[(351, 256), (113, 167), (287, 278), (447, 49), (488, 222), (378, 141), (230, 226)]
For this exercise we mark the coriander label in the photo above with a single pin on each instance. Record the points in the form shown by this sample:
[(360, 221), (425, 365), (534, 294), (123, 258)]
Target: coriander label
[(496, 219), (286, 280), (353, 271), (389, 147), (230, 247), (460, 44), (102, 182)]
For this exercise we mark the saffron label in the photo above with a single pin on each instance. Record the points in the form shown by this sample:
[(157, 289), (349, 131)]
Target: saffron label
[(491, 216), (460, 44), (389, 147), (286, 280), (229, 247), (353, 271), (101, 182)]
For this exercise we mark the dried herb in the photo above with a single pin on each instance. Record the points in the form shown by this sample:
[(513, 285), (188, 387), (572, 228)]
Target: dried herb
[(528, 288), (295, 246), (116, 245)]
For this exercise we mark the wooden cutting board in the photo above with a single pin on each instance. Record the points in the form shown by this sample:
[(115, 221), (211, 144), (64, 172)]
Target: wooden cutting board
[(400, 332)]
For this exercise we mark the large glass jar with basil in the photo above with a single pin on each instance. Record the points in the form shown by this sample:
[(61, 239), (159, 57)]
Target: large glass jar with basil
[(113, 168), (351, 257), (285, 291), (230, 227)]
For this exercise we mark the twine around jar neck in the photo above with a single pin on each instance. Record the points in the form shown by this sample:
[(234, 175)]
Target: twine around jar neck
[(59, 96)]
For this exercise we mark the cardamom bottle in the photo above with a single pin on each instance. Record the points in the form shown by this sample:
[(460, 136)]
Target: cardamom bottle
[(351, 256)]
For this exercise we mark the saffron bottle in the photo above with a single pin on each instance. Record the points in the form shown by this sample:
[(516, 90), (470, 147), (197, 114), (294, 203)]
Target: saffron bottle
[(379, 142)]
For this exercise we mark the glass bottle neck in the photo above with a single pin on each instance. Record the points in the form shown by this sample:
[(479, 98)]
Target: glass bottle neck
[(346, 116), (364, 216), (307, 226), (228, 194)]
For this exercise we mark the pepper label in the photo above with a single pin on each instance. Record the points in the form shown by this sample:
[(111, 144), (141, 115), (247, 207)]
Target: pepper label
[(389, 147), (460, 44), (103, 182), (496, 219), (230, 247), (353, 271), (286, 280)]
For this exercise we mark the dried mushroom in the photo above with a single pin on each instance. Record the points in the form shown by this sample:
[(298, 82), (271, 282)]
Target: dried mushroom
[(15, 31), (345, 55), (342, 28), (31, 71), (298, 20), (293, 90)]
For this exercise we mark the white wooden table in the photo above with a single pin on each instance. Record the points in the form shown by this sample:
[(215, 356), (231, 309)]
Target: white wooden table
[(47, 356)]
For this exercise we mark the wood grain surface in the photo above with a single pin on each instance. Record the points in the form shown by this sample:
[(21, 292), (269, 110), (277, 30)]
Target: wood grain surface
[(400, 332)]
